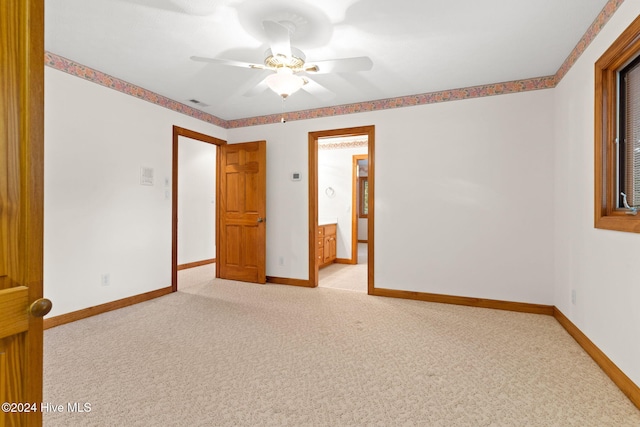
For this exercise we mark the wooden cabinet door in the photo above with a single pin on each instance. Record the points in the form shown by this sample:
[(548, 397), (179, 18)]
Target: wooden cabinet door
[(326, 249), (242, 212), (332, 247), (21, 209)]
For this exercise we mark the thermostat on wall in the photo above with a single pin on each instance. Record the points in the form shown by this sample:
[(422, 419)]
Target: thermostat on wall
[(295, 176), (146, 176)]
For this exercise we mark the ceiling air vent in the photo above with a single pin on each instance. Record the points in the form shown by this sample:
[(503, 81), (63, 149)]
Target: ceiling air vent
[(198, 103)]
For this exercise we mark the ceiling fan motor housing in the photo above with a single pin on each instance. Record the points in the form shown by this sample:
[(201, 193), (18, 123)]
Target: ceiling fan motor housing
[(294, 62)]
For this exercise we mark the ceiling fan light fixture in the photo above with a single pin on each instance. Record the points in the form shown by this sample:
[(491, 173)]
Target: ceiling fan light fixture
[(284, 82)]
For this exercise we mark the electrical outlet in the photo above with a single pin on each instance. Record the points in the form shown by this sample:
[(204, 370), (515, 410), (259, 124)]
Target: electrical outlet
[(573, 296), (105, 280), (281, 260)]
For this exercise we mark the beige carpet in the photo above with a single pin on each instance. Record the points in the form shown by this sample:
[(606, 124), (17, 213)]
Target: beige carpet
[(345, 276), (221, 353)]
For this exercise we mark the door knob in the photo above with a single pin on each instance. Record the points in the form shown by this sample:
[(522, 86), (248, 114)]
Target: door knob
[(260, 219), (40, 307)]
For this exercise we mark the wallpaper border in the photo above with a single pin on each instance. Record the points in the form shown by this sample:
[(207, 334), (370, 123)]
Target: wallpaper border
[(71, 67)]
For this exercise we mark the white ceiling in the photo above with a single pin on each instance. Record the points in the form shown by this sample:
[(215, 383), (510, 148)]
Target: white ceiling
[(417, 46)]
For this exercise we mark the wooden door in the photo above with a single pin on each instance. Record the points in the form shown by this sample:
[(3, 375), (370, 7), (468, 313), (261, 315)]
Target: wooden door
[(21, 213), (242, 212)]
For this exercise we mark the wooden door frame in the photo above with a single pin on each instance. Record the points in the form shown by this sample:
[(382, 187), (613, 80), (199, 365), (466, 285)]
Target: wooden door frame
[(177, 133), (368, 131), (355, 206)]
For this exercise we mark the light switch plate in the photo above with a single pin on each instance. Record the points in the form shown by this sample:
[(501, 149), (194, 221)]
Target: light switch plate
[(146, 176)]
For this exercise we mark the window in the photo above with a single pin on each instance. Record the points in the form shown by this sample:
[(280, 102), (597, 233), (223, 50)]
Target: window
[(617, 134), (364, 196), (629, 135)]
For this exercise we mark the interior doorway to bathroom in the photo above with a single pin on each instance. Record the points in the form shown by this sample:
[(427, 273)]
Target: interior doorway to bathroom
[(341, 208)]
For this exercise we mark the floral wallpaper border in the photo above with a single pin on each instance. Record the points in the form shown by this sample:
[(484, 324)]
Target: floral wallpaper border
[(341, 145), (404, 101), (603, 17), (68, 66), (54, 61)]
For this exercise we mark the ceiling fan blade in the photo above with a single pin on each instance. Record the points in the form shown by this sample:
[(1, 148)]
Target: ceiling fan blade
[(317, 90), (344, 65), (279, 38), (257, 89), (227, 62)]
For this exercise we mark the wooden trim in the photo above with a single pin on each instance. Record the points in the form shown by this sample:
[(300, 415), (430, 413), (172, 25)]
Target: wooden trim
[(313, 197), (606, 213), (174, 209), (354, 208), (188, 133), (363, 241), (291, 282), (177, 133), (467, 301), (313, 208), (218, 197), (196, 264), (370, 220), (104, 308), (345, 261), (624, 383)]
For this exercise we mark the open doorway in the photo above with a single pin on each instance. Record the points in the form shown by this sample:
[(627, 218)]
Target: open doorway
[(361, 206), (335, 208), (343, 266), (194, 204)]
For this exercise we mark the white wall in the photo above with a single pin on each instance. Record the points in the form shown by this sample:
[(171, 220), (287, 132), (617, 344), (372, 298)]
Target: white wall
[(463, 197), (98, 218), (196, 200), (335, 170), (601, 266)]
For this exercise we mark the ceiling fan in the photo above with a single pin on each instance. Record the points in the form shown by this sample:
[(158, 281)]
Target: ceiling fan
[(289, 63)]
